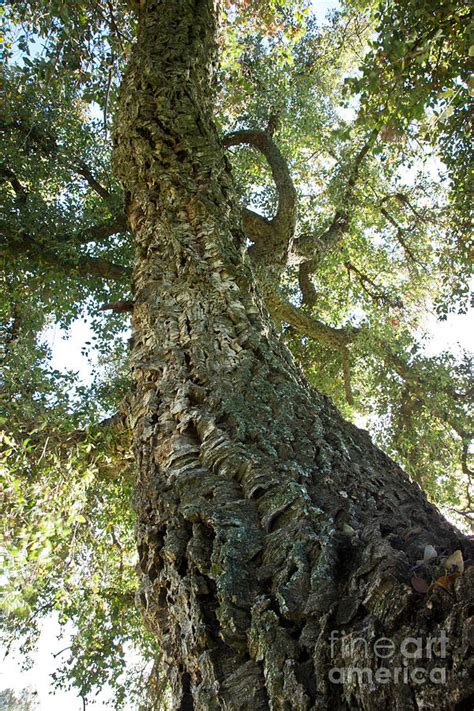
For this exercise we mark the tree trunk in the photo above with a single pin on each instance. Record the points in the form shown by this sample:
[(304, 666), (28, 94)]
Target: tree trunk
[(267, 526)]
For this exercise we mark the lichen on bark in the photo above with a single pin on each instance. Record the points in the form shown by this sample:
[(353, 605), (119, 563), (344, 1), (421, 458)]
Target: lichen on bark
[(265, 522)]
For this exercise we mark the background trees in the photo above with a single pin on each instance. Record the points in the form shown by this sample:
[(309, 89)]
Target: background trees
[(351, 119), (9, 701)]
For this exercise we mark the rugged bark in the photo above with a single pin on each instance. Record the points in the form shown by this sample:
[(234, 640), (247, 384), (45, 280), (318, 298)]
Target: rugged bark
[(264, 520)]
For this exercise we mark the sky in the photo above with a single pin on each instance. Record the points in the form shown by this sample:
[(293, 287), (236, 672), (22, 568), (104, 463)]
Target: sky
[(38, 677), (456, 331)]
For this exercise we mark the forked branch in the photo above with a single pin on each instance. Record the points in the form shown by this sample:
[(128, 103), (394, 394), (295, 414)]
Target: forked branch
[(310, 249)]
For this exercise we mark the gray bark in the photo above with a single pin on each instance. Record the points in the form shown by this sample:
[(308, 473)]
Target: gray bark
[(264, 520)]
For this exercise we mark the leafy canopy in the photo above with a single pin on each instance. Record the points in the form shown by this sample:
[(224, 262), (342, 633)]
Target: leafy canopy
[(369, 111)]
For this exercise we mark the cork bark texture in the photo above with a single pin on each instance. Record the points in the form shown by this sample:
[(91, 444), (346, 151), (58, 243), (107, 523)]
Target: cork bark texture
[(265, 522)]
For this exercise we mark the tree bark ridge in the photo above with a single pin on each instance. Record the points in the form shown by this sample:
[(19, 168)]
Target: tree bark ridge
[(264, 520)]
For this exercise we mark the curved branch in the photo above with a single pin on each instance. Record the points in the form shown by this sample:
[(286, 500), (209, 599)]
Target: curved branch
[(281, 309), (258, 228), (314, 246), (305, 271), (311, 248), (272, 237)]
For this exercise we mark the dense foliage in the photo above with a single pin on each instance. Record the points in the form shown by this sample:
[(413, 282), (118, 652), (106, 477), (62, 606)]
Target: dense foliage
[(370, 110)]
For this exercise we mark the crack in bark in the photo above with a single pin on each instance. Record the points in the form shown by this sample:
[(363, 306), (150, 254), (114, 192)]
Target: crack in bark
[(265, 520)]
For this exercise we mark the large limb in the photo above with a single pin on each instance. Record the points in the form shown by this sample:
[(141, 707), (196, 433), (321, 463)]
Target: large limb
[(340, 338), (78, 264), (272, 238), (282, 310)]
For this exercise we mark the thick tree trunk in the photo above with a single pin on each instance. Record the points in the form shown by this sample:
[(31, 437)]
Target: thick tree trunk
[(267, 526)]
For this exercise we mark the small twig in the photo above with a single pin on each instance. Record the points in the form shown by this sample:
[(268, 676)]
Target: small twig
[(44, 449), (119, 307), (106, 102), (346, 370), (61, 651), (378, 294)]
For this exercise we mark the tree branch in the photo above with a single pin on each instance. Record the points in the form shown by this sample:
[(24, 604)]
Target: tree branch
[(272, 237), (119, 307), (336, 338), (377, 294), (82, 170), (49, 146), (258, 228), (399, 234), (83, 265), (8, 175), (118, 422), (315, 246), (346, 370), (305, 271), (309, 249), (96, 233), (340, 338), (116, 224)]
